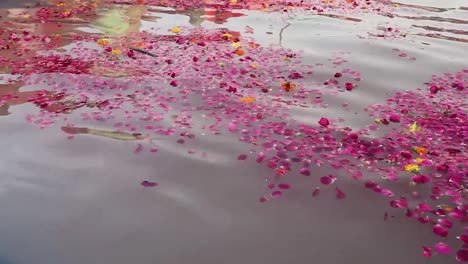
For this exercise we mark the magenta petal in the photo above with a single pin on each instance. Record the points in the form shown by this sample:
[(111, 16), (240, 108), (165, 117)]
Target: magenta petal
[(305, 172), (276, 194), (446, 223), (295, 75), (462, 255), (324, 122), (387, 193), (440, 231), (340, 194), (149, 184), (349, 86), (263, 199), (463, 238), (394, 118), (316, 192), (242, 157), (427, 251), (424, 207), (456, 214), (420, 179), (442, 248), (284, 186), (327, 180)]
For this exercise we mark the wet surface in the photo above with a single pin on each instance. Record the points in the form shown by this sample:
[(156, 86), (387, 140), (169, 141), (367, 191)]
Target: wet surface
[(110, 159)]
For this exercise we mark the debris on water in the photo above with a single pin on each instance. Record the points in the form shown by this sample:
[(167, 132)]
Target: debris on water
[(149, 184), (103, 133)]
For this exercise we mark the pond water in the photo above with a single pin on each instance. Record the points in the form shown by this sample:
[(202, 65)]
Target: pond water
[(233, 132)]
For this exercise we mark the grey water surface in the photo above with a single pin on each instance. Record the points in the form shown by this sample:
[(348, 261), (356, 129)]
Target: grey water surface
[(80, 201)]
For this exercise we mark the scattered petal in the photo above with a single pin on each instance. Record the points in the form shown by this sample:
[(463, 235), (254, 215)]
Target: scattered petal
[(440, 231), (442, 248), (149, 184), (324, 122)]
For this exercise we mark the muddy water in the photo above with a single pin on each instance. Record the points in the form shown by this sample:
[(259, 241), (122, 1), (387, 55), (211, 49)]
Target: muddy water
[(80, 201)]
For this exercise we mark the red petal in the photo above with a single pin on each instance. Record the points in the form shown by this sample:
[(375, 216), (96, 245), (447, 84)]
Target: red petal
[(421, 179), (427, 251), (340, 194), (324, 122), (284, 186), (327, 180), (440, 231), (462, 255), (463, 238)]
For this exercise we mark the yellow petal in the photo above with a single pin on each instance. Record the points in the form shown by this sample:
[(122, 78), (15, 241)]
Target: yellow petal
[(116, 52), (413, 128), (236, 45), (175, 30), (248, 99)]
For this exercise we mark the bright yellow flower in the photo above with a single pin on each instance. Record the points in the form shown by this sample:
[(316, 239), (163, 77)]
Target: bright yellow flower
[(227, 35), (412, 168)]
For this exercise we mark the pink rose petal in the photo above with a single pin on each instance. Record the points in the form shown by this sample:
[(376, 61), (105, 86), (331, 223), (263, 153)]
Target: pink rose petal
[(446, 223), (284, 186), (276, 194), (440, 231), (394, 118), (304, 171), (327, 179), (442, 248), (427, 251), (340, 194), (324, 122)]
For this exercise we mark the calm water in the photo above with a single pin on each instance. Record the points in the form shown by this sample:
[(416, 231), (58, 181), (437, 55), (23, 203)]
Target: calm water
[(80, 201)]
